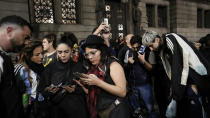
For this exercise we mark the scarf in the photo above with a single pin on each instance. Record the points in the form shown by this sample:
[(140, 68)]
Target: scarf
[(94, 90)]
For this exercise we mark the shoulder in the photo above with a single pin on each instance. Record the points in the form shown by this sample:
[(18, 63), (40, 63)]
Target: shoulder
[(115, 65), (19, 68), (52, 64)]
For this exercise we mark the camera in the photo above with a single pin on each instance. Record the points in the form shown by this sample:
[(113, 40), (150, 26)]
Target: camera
[(142, 49)]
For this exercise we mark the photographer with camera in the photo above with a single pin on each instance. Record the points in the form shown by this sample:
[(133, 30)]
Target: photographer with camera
[(141, 98), (66, 99), (103, 30)]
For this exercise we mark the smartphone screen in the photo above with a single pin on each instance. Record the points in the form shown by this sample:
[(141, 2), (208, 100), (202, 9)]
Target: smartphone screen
[(142, 49), (106, 21)]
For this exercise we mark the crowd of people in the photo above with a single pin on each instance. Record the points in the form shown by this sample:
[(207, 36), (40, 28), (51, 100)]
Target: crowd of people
[(100, 77)]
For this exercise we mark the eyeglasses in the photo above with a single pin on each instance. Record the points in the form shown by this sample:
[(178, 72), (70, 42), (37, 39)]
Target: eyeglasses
[(92, 53)]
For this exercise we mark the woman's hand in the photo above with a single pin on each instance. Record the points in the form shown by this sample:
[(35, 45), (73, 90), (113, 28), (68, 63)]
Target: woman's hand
[(52, 89), (70, 89), (91, 79), (80, 83)]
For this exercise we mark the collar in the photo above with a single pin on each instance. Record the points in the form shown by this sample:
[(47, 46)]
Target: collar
[(49, 54)]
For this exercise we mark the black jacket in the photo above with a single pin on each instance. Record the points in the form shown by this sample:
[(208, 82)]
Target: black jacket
[(10, 106)]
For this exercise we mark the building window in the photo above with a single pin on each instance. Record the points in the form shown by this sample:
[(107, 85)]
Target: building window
[(162, 16), (70, 10), (207, 19), (150, 15), (43, 11), (157, 15), (203, 18), (199, 18)]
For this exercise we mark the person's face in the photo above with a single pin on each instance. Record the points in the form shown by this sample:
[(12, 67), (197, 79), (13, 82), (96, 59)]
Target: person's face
[(155, 45), (197, 45), (63, 52), (20, 38), (106, 35), (135, 47), (45, 44), (93, 55), (37, 56)]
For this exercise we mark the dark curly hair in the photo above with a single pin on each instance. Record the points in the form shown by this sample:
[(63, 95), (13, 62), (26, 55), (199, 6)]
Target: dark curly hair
[(68, 40)]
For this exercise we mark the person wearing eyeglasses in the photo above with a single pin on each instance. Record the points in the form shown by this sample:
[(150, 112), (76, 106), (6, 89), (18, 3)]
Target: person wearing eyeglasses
[(105, 82)]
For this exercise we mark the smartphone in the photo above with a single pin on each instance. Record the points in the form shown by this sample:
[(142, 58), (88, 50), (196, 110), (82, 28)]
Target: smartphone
[(106, 22), (78, 75), (56, 86), (142, 49)]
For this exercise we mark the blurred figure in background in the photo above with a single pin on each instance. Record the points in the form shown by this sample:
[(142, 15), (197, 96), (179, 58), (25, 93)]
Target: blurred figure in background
[(49, 44), (205, 51), (104, 31), (205, 46)]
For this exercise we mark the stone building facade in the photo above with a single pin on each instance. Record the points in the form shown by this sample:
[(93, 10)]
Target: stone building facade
[(187, 17)]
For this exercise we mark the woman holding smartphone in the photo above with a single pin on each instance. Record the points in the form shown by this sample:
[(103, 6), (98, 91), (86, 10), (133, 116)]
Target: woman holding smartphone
[(105, 81), (66, 99), (27, 72)]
